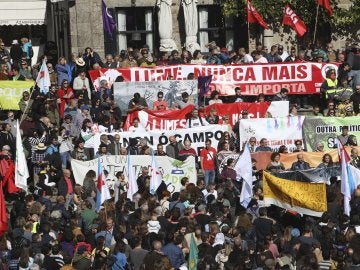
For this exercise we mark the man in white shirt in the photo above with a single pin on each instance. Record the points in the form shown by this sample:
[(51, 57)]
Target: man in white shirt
[(245, 57), (259, 58)]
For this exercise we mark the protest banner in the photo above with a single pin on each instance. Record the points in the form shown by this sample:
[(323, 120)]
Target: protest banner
[(124, 92), (11, 93), (175, 119), (326, 129), (299, 78), (302, 197), (172, 170), (278, 131), (197, 136)]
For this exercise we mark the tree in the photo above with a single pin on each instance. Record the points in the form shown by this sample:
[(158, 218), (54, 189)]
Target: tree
[(343, 23)]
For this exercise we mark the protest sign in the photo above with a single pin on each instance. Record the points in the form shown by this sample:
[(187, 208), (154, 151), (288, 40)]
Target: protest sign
[(172, 170), (11, 93), (197, 136), (253, 79), (175, 119), (304, 198), (278, 131), (326, 129), (124, 92)]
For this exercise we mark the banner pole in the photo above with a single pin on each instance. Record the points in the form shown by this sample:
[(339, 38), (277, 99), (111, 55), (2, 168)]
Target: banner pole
[(316, 22)]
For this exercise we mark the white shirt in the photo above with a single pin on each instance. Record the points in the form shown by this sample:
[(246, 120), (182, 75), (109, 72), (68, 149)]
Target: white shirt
[(284, 55), (247, 59), (261, 60)]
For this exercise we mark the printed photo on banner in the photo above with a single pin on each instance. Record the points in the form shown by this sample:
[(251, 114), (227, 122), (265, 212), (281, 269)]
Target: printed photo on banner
[(171, 170), (172, 90)]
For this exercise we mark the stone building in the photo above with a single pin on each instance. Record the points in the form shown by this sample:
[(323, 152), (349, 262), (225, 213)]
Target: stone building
[(138, 24), (74, 25)]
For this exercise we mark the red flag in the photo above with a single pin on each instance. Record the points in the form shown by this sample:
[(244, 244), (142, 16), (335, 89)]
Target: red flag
[(290, 18), (3, 216), (326, 5), (254, 16)]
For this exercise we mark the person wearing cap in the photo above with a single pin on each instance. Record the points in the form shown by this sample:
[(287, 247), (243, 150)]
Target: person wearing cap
[(37, 159), (15, 52)]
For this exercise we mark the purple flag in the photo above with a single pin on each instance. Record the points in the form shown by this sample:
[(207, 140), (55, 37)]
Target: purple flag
[(108, 21), (203, 84)]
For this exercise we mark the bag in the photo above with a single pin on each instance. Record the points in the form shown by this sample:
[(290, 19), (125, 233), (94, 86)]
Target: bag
[(31, 52)]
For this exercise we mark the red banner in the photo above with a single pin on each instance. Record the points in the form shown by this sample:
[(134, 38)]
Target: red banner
[(299, 78), (175, 119)]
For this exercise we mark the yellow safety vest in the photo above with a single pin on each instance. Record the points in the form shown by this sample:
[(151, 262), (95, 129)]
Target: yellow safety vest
[(34, 228)]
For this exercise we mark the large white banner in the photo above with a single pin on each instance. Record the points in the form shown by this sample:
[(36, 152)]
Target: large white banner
[(197, 136), (124, 92), (278, 131), (172, 170)]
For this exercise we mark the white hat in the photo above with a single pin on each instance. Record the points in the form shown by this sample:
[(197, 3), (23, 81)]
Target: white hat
[(40, 146), (15, 41), (80, 62)]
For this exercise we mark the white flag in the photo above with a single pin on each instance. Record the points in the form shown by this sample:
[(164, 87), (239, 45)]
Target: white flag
[(21, 168), (133, 187), (156, 177), (43, 78), (243, 170)]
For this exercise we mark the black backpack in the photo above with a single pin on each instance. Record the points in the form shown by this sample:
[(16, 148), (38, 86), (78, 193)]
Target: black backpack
[(31, 52)]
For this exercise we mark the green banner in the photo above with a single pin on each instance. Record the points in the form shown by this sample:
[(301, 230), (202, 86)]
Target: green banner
[(11, 93), (326, 129)]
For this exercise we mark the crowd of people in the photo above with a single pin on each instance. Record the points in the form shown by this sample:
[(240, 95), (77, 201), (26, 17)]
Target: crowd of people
[(55, 224)]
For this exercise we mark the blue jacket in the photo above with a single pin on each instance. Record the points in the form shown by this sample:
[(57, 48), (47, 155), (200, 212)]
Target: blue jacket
[(175, 254)]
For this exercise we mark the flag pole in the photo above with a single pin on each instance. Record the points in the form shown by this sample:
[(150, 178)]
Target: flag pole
[(248, 24), (316, 22)]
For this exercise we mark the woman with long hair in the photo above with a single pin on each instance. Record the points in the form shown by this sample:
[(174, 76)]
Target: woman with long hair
[(327, 161)]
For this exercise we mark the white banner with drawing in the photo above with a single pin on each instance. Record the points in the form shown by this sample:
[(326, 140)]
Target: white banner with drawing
[(172, 170)]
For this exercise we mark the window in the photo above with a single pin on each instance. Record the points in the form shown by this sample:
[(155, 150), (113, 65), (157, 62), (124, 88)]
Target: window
[(135, 28), (213, 27)]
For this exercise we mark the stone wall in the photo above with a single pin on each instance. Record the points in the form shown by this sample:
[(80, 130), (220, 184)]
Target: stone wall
[(86, 27)]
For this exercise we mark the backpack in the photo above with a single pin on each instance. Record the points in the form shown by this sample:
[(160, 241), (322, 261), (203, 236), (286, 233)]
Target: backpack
[(31, 52)]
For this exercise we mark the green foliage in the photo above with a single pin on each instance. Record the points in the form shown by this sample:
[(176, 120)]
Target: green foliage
[(344, 22)]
